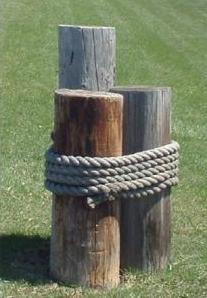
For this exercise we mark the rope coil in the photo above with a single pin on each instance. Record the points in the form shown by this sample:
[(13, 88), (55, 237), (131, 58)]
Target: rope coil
[(106, 178)]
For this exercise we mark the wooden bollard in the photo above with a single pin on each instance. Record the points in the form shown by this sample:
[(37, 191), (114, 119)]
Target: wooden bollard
[(145, 223), (86, 57), (85, 243)]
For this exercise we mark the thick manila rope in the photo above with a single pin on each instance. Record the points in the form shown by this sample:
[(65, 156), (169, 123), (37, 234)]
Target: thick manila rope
[(106, 178)]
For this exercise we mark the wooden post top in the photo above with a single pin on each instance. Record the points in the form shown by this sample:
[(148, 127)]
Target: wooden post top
[(88, 94), (86, 27), (140, 88)]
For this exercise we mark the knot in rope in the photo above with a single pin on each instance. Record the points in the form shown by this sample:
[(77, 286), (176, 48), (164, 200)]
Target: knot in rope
[(106, 178)]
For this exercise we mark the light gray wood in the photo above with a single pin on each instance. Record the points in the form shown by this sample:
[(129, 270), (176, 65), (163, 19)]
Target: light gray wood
[(86, 57), (145, 223)]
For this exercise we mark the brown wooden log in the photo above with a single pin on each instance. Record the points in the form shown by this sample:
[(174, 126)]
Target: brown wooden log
[(145, 223), (85, 243)]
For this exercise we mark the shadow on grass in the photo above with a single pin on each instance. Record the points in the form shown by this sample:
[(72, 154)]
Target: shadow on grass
[(24, 258)]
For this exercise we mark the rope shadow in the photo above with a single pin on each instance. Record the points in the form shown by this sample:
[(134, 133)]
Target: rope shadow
[(24, 258)]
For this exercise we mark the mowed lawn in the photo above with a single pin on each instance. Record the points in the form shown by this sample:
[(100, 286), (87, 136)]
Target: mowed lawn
[(160, 42)]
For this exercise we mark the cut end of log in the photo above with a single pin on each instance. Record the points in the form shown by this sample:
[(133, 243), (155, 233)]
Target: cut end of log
[(140, 88), (88, 94), (85, 27)]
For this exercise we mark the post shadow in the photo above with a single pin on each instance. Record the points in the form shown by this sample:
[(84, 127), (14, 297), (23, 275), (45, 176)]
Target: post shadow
[(24, 258)]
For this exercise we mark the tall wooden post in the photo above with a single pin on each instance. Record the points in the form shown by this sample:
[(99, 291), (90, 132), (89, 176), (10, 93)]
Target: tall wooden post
[(145, 223), (85, 243), (86, 57), (86, 61)]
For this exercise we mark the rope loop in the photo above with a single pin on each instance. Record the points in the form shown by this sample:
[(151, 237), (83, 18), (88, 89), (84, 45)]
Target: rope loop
[(106, 178)]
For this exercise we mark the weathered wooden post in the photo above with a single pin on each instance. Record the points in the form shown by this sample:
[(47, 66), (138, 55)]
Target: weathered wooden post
[(86, 61), (145, 223), (85, 243), (86, 57)]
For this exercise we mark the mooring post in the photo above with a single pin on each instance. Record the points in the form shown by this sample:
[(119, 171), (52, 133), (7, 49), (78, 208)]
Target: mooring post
[(85, 243), (86, 57), (86, 61), (145, 223)]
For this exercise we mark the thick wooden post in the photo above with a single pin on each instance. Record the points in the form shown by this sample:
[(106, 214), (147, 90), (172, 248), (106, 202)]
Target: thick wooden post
[(86, 57), (145, 223), (85, 243), (86, 61)]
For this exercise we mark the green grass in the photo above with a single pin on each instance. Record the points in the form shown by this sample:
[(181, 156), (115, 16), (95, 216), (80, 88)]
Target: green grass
[(159, 42)]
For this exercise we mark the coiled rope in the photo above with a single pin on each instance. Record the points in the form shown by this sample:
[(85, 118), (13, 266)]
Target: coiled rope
[(106, 178)]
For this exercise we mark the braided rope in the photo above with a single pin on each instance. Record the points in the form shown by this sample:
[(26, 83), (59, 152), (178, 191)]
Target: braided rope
[(105, 178)]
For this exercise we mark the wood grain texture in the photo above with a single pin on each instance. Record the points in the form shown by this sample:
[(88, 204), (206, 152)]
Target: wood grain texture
[(85, 243), (145, 223), (86, 57)]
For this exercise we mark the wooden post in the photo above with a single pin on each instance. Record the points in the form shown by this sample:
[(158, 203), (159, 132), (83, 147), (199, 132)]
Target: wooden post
[(85, 243), (86, 57), (86, 61), (145, 223)]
